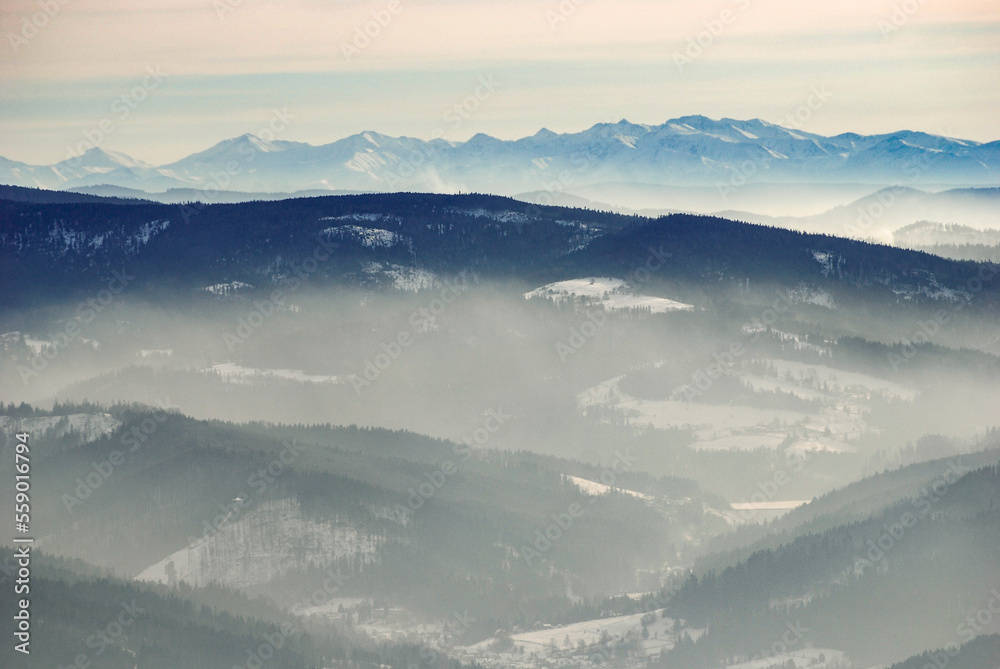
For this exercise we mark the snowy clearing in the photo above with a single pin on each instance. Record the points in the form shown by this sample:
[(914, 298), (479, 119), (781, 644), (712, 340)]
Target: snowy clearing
[(806, 657), (711, 420), (840, 380), (233, 373), (613, 294), (594, 488)]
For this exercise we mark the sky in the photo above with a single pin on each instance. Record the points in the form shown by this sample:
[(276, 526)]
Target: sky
[(160, 79)]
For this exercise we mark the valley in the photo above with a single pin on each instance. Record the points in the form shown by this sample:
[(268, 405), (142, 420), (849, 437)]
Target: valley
[(451, 429)]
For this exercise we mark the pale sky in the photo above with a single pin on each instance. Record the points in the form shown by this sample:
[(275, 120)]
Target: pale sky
[(224, 66)]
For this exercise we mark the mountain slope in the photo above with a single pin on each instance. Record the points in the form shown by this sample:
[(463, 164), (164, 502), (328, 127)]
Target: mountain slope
[(261, 243), (427, 525), (896, 211), (860, 500), (833, 584)]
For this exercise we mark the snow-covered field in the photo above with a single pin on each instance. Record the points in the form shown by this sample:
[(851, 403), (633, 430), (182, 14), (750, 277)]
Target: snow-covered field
[(767, 384), (167, 352), (233, 373), (834, 422), (840, 380), (814, 658), (611, 293), (710, 420), (594, 488), (590, 632), (584, 644)]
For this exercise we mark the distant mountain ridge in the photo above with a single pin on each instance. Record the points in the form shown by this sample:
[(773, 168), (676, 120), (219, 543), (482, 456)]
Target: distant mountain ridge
[(437, 235), (687, 151)]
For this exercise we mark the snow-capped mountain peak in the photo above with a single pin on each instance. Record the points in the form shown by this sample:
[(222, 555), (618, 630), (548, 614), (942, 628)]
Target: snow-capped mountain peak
[(691, 150)]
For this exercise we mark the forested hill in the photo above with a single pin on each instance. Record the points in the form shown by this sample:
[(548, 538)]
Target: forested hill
[(878, 566), (404, 240), (83, 617)]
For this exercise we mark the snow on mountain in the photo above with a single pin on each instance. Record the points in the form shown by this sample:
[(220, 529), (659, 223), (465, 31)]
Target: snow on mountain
[(62, 239), (837, 419), (254, 546), (85, 426), (609, 292), (508, 217), (586, 642), (374, 238), (589, 487), (233, 373), (227, 289), (691, 150), (805, 294)]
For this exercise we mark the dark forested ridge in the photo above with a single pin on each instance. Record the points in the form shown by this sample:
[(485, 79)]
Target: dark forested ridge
[(188, 246), (42, 196)]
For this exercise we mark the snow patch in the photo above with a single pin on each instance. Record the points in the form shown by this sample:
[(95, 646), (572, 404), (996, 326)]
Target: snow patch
[(156, 352), (233, 373), (373, 238), (256, 546), (842, 381), (807, 295), (589, 487), (411, 279), (611, 293), (807, 657), (503, 216), (227, 289), (825, 260)]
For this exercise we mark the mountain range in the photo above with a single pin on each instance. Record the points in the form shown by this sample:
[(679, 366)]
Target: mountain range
[(687, 151), (439, 430)]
